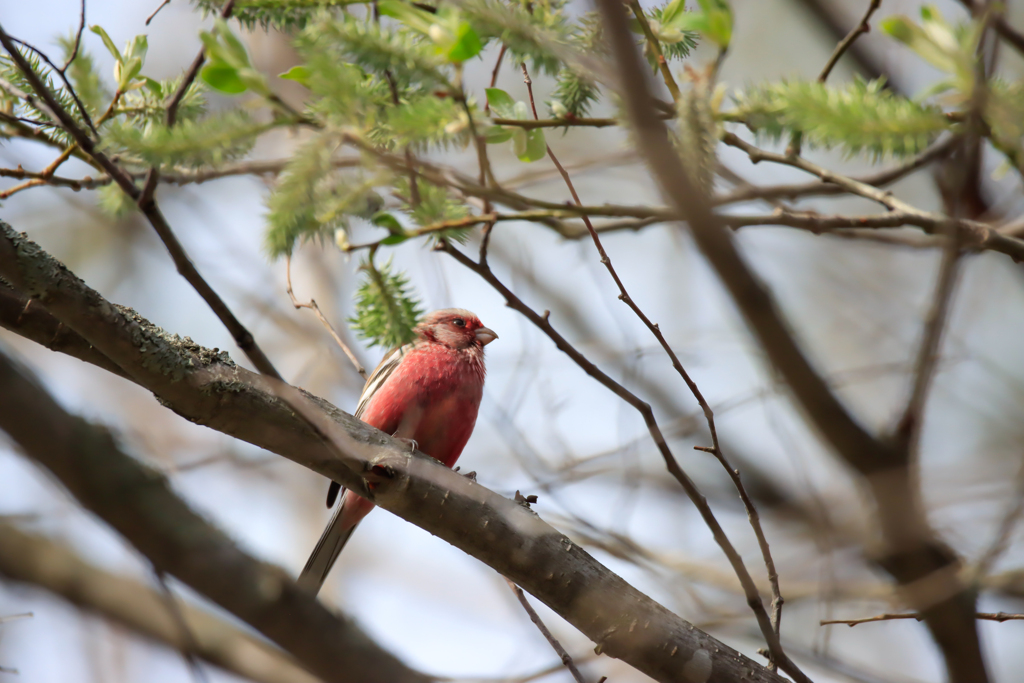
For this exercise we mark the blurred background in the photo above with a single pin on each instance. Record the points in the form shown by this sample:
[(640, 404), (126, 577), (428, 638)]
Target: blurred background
[(545, 428)]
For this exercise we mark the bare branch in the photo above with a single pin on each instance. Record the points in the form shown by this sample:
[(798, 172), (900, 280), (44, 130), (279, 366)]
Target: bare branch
[(989, 616), (312, 305), (555, 645), (845, 43), (37, 560)]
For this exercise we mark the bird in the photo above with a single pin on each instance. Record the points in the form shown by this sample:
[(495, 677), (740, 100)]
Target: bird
[(426, 393)]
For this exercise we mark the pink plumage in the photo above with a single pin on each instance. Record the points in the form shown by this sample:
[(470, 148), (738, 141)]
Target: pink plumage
[(427, 392)]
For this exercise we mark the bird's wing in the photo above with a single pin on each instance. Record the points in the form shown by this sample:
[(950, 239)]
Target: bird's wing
[(380, 375), (392, 359)]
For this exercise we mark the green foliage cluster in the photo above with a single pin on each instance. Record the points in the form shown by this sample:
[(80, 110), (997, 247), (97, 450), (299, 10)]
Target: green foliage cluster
[(858, 117), (389, 77), (387, 309), (37, 111), (191, 143)]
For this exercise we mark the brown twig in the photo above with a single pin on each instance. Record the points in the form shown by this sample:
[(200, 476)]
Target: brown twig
[(494, 74), (1005, 529), (312, 305), (989, 616), (63, 77), (190, 644), (709, 416), (845, 43), (548, 636), (157, 11), (78, 40), (183, 263), (655, 47), (879, 179)]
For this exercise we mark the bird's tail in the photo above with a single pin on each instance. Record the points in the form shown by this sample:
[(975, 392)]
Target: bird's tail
[(348, 515)]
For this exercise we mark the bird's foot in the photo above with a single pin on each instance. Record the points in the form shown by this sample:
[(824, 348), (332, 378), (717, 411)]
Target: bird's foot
[(468, 475), (413, 446), (525, 501)]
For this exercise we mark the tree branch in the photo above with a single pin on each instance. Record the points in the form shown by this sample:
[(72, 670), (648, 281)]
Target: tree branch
[(205, 387), (50, 565), (912, 549)]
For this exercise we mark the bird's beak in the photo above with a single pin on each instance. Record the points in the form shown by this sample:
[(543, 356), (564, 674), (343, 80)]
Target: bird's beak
[(485, 336)]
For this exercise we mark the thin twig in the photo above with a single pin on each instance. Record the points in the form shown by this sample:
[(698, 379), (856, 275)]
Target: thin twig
[(909, 425), (655, 47), (188, 637), (494, 74), (734, 474), (845, 43), (1002, 537), (312, 305), (78, 40), (555, 645), (13, 617), (1005, 31), (157, 11), (989, 616)]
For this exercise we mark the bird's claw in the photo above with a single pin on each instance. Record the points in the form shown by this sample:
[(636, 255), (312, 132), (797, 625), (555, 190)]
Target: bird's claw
[(413, 446), (525, 501), (468, 475)]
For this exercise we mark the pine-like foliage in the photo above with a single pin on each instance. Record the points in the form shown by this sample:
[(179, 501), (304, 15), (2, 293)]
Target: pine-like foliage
[(532, 31), (206, 142), (279, 14), (436, 204), (675, 44), (313, 198), (857, 117), (379, 50), (387, 310), (149, 103), (574, 92), (424, 121), (10, 73)]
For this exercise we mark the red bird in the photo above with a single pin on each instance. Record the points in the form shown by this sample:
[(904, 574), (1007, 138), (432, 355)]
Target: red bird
[(427, 392)]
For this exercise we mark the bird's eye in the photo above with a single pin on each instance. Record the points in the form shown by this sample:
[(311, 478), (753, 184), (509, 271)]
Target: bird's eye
[(459, 322)]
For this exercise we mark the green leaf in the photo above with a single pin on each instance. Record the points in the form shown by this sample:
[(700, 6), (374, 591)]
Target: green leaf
[(534, 146), (673, 10), (299, 73), (395, 239), (383, 219), (496, 134), (917, 39), (413, 17), (111, 48), (224, 78), (501, 103), (467, 44)]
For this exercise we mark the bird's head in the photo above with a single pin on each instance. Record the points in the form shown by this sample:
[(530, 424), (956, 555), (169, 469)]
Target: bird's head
[(455, 328)]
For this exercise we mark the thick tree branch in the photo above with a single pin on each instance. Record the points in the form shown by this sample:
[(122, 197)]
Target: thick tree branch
[(39, 561), (207, 388), (920, 562), (139, 503)]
